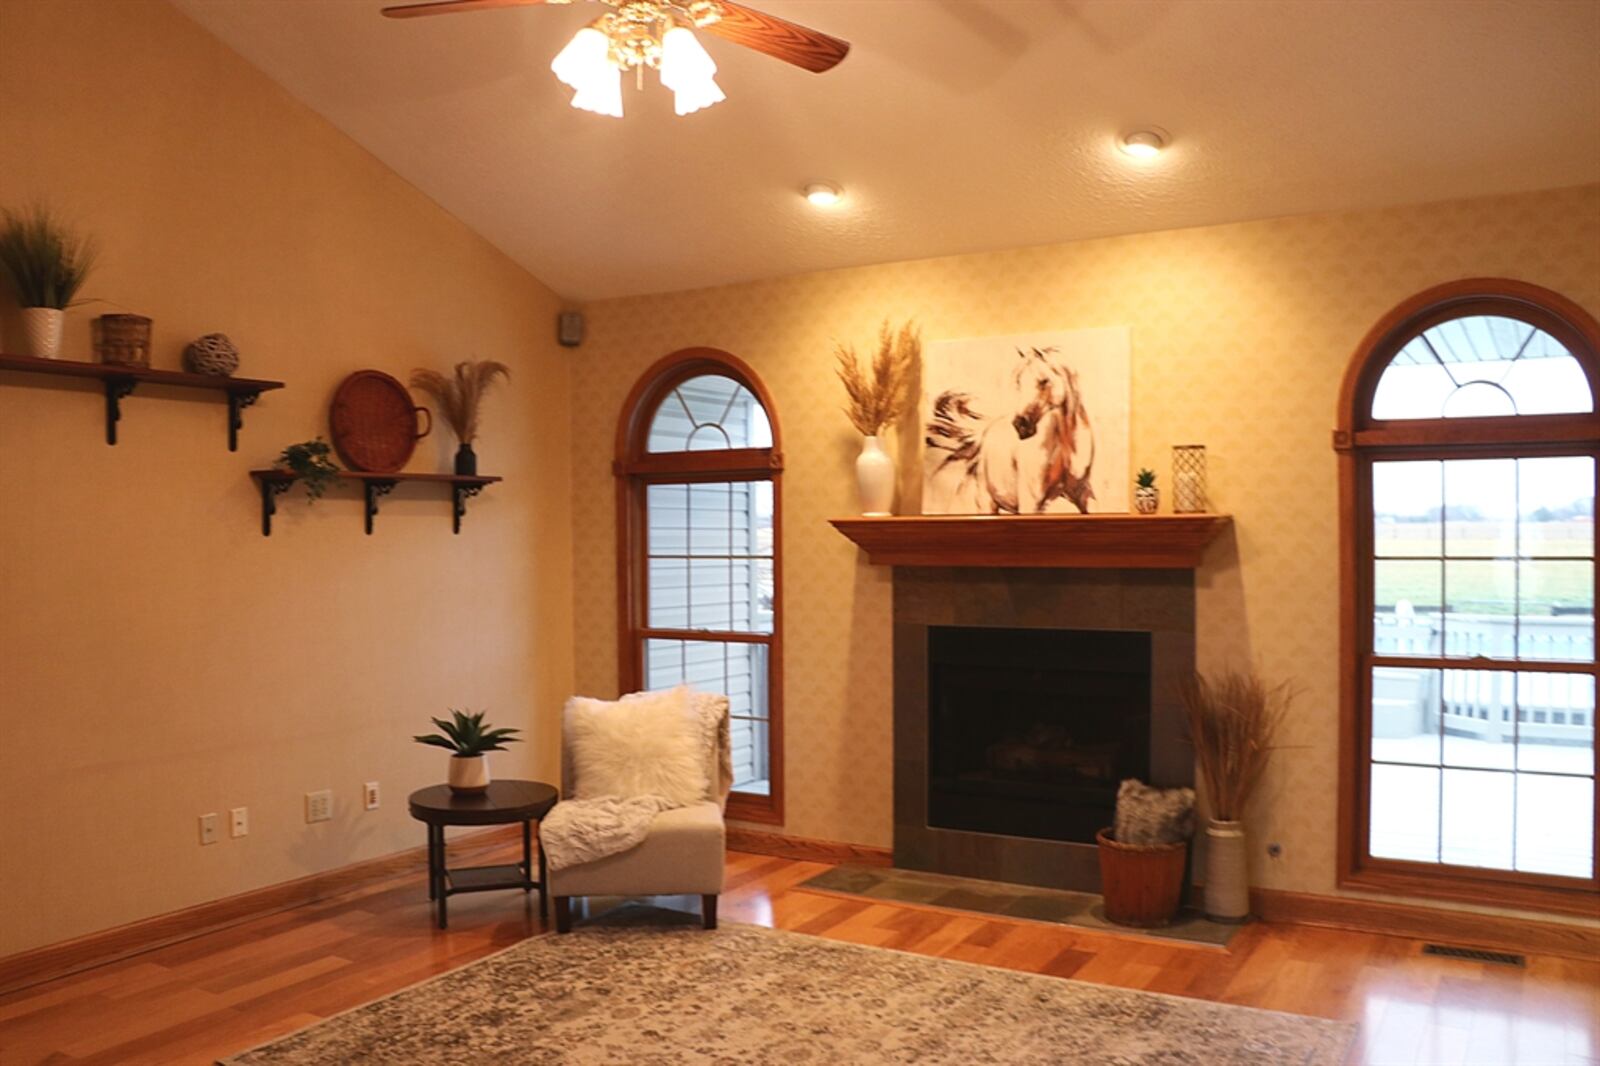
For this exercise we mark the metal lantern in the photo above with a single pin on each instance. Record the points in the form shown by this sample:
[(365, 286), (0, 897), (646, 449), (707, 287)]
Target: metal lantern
[(1189, 478)]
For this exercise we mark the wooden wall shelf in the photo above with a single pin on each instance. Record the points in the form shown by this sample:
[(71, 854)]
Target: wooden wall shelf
[(1094, 540), (274, 483), (119, 381)]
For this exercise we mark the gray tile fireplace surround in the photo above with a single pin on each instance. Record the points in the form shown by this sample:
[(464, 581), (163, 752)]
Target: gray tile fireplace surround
[(1160, 602)]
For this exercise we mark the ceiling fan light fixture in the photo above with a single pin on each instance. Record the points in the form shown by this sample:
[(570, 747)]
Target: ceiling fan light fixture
[(1144, 144), (689, 71), (585, 66), (823, 194)]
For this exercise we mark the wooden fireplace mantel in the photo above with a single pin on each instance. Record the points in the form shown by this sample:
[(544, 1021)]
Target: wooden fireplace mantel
[(1168, 541)]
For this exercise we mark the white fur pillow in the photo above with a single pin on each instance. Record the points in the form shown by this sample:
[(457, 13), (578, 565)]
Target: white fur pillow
[(648, 745)]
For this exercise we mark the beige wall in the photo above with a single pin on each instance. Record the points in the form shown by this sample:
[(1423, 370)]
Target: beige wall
[(158, 657), (1240, 334)]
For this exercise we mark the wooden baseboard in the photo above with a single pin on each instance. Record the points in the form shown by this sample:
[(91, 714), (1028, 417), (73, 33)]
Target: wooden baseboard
[(1498, 931), (761, 842), (51, 961)]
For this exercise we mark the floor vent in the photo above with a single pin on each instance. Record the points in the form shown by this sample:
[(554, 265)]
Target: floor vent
[(1503, 958)]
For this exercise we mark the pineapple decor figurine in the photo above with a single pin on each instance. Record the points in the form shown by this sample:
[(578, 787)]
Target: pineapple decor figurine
[(1146, 497)]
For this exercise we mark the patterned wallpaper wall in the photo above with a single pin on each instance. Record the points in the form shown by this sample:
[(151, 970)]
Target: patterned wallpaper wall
[(1240, 336)]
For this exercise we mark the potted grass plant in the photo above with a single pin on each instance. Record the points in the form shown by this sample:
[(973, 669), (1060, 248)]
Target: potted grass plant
[(1234, 721), (44, 264), (459, 397), (469, 741), (879, 394)]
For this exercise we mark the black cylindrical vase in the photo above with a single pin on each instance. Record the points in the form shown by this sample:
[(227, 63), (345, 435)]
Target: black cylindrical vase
[(466, 461)]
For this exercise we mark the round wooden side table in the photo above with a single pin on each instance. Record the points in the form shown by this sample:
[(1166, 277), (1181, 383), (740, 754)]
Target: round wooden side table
[(503, 803)]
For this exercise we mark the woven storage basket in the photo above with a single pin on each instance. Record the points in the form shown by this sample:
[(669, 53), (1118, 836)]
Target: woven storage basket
[(123, 339), (1142, 883), (374, 423)]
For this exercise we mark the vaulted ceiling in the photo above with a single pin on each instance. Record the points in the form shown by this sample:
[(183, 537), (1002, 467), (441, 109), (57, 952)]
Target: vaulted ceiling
[(953, 126)]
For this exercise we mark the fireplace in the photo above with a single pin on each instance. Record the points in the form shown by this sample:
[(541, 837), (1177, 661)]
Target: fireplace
[(1022, 698), (1031, 730)]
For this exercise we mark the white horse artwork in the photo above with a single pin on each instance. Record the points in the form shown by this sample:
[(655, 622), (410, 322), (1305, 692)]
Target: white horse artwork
[(1021, 440)]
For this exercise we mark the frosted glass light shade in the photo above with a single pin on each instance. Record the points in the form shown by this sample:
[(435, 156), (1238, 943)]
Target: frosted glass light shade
[(689, 71), (585, 65)]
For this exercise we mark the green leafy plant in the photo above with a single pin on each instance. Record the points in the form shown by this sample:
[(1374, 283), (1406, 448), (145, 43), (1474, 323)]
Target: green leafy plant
[(1146, 478), (466, 735), (309, 461), (43, 261), (460, 396)]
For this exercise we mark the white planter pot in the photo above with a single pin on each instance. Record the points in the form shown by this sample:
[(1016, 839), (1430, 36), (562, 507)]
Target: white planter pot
[(469, 773), (41, 331), (875, 478), (1227, 872), (1146, 500)]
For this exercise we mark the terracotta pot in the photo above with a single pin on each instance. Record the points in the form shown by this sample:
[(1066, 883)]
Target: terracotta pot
[(469, 773), (875, 478), (1227, 872), (41, 331), (1142, 883)]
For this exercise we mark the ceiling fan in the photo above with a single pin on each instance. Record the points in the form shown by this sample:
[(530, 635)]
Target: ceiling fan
[(659, 34)]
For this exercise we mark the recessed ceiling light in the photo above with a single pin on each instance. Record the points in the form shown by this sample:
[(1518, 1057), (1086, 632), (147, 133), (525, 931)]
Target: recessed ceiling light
[(823, 194), (1144, 144)]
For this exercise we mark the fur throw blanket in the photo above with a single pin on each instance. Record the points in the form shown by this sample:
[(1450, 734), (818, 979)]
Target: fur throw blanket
[(1147, 815), (583, 830)]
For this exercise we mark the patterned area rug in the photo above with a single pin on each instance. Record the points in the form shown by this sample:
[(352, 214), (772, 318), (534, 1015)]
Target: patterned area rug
[(643, 986)]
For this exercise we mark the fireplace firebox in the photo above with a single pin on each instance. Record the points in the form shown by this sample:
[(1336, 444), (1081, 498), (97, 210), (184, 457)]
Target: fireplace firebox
[(1022, 699), (1030, 731)]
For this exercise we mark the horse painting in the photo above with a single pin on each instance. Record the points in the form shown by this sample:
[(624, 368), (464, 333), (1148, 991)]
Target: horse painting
[(1036, 446)]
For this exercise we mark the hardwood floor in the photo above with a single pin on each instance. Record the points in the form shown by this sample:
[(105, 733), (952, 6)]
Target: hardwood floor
[(227, 990)]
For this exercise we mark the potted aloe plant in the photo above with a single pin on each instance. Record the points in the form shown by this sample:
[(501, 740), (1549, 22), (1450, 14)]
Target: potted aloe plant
[(469, 741), (45, 265)]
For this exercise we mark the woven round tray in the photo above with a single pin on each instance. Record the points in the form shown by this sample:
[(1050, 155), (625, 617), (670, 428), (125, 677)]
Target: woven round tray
[(374, 423)]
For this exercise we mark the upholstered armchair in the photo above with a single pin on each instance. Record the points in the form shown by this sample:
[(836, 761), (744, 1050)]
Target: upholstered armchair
[(684, 852)]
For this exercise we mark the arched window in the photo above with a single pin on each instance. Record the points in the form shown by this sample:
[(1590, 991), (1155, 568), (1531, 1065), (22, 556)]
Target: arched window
[(699, 521), (1468, 443)]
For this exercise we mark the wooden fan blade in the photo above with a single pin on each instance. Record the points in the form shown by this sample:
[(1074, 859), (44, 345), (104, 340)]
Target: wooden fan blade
[(451, 7), (806, 48)]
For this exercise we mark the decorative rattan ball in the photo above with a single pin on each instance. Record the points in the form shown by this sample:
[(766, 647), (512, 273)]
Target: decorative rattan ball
[(212, 354)]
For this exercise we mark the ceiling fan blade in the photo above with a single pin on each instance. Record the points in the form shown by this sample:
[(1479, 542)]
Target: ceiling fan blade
[(451, 7), (806, 48)]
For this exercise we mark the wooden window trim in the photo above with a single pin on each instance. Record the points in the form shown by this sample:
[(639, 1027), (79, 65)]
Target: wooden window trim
[(1360, 439), (635, 468)]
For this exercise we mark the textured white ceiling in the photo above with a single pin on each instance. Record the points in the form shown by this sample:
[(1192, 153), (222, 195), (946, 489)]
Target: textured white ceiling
[(954, 125)]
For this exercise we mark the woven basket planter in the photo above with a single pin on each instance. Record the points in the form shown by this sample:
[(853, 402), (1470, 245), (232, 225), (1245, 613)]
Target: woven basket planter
[(123, 339), (1142, 883)]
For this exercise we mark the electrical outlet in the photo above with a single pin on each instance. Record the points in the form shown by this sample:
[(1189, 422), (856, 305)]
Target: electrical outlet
[(319, 806), (239, 821), (208, 828), (369, 795)]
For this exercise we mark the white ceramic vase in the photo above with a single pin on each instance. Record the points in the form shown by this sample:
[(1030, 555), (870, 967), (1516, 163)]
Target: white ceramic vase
[(875, 478), (469, 773), (1227, 872), (41, 331)]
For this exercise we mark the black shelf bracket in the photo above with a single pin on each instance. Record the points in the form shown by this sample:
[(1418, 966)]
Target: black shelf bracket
[(374, 489), (460, 494), (116, 389), (270, 489), (237, 402)]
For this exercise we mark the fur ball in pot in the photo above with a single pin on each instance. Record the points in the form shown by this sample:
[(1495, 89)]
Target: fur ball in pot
[(212, 354), (1148, 815)]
